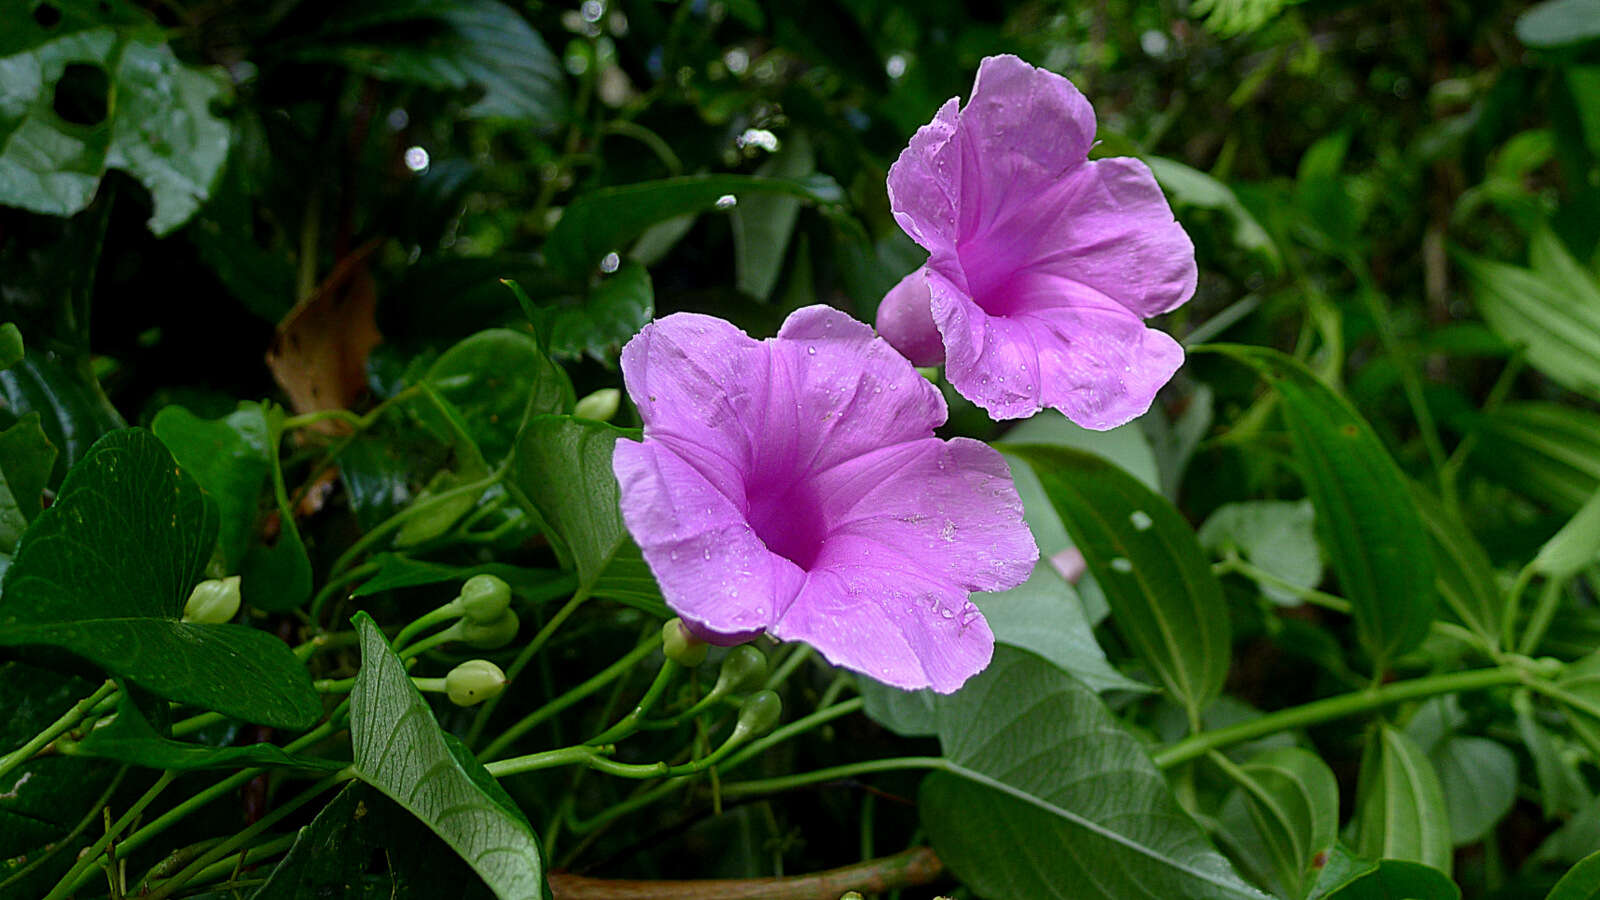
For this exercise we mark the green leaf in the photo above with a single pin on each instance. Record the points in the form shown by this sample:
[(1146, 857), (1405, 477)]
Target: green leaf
[(1192, 187), (334, 855), (1562, 787), (461, 44), (1479, 780), (1464, 576), (599, 324), (131, 737), (105, 571), (496, 380), (763, 223), (228, 458), (158, 125), (562, 465), (11, 351), (396, 571), (1371, 526), (1277, 536), (1571, 550), (1546, 314), (1547, 451), (1163, 596), (72, 410), (1400, 807), (400, 750), (1044, 795), (1558, 23), (1582, 882), (1393, 879), (606, 220), (26, 457), (1290, 805)]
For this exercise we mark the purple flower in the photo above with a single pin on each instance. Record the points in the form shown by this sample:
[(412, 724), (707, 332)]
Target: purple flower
[(1043, 263), (794, 486)]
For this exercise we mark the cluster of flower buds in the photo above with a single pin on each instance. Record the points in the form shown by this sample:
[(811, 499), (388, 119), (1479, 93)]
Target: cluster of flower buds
[(487, 620)]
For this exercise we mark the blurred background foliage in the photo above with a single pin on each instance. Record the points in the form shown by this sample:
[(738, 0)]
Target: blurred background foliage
[(203, 200)]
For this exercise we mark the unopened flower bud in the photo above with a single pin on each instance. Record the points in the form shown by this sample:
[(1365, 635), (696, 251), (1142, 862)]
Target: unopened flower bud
[(213, 601), (491, 635), (682, 647), (484, 599), (757, 715), (743, 669), (599, 406), (473, 682)]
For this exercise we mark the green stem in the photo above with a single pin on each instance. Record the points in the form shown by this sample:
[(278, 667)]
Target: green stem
[(794, 660), (55, 729), (1410, 383), (605, 677), (446, 613), (248, 856), (629, 723), (66, 841), (836, 773), (246, 835), (336, 584), (83, 869), (1513, 606), (1544, 612), (1338, 707), (395, 522), (523, 657)]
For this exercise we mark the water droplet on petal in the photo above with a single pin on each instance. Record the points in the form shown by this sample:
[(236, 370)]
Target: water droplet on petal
[(706, 554), (811, 351)]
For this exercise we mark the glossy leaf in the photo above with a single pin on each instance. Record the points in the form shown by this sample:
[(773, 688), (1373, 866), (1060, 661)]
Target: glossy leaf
[(1582, 882), (562, 466), (105, 571), (72, 410), (606, 220), (228, 458), (11, 350), (160, 129), (1393, 879), (131, 737), (1544, 450), (1192, 187), (496, 380), (397, 571), (1464, 576), (1163, 596), (1373, 532), (763, 223), (1571, 550), (600, 323), (1290, 802), (1562, 786), (1479, 780), (400, 750), (1559, 23), (1044, 795), (26, 457), (1400, 806)]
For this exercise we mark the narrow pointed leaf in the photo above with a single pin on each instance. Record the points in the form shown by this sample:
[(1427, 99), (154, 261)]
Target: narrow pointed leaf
[(1394, 879), (1400, 808), (1365, 513), (400, 750), (1582, 882), (1547, 451), (1465, 578), (1291, 801), (1158, 582)]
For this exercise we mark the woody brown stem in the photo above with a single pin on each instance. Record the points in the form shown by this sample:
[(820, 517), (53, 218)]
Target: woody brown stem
[(914, 867)]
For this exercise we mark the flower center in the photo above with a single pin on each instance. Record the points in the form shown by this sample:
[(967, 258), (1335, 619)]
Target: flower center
[(788, 519)]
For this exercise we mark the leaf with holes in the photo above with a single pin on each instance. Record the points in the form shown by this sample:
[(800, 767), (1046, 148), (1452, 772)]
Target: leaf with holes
[(400, 750)]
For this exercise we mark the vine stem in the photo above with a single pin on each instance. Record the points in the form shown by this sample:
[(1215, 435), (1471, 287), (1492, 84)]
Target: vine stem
[(71, 717), (600, 680), (523, 657), (1338, 707), (911, 868), (82, 870)]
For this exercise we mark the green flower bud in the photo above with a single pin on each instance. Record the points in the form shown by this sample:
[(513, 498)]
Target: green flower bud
[(473, 682), (757, 715), (213, 601), (484, 599), (488, 636), (743, 669), (681, 646), (599, 406)]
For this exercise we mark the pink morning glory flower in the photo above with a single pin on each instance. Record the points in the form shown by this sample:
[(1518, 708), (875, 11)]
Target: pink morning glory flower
[(794, 486), (1043, 263)]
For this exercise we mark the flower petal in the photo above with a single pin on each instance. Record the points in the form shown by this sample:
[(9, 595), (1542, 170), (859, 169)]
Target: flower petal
[(1106, 226), (713, 570), (945, 509), (925, 182), (906, 322), (911, 633), (1089, 358), (1022, 131)]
